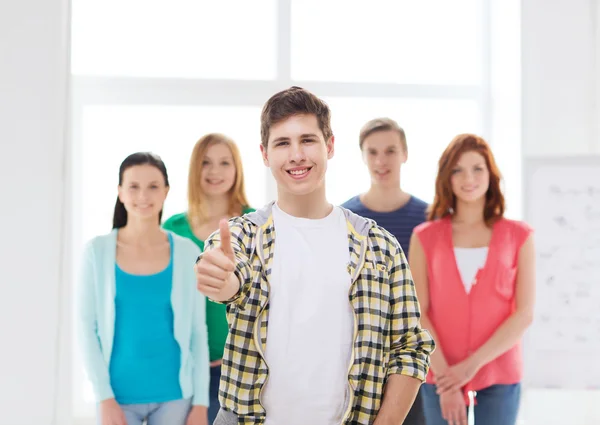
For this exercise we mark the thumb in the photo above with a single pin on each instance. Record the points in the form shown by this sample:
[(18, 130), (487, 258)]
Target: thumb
[(225, 238)]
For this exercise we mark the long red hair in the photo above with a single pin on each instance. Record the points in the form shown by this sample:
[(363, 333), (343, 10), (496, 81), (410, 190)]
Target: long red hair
[(444, 202)]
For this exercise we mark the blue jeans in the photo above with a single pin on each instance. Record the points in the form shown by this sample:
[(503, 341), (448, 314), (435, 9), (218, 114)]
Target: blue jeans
[(168, 413), (496, 405), (213, 408)]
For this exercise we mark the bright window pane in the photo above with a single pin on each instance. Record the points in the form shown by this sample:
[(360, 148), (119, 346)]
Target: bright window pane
[(394, 41), (429, 124), (110, 133), (176, 39)]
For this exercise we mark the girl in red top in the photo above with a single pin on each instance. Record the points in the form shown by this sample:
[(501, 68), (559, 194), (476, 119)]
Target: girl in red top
[(474, 273)]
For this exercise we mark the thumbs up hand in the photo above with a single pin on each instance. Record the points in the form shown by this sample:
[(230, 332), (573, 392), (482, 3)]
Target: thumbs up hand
[(225, 246), (214, 271)]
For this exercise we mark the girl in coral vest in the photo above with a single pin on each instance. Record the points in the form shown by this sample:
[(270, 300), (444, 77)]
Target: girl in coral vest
[(475, 277)]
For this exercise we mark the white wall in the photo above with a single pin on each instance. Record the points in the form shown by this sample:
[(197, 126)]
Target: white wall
[(559, 77), (559, 89), (33, 83)]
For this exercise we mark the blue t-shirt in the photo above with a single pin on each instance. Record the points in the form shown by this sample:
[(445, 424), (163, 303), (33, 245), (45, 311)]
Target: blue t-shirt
[(399, 223), (145, 360)]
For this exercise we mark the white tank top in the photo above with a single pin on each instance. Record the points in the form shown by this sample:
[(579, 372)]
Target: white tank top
[(469, 261)]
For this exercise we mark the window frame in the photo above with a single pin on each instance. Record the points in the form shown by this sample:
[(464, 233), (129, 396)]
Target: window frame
[(111, 90)]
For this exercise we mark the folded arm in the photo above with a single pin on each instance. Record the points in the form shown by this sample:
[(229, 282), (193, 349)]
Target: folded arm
[(411, 345)]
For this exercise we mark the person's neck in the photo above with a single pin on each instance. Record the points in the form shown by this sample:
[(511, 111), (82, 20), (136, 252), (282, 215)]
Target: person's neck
[(141, 232), (385, 198), (313, 205), (217, 207), (469, 213)]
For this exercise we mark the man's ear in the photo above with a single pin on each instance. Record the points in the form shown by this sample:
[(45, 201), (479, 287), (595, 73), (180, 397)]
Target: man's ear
[(263, 151), (404, 156), (330, 147), (363, 155)]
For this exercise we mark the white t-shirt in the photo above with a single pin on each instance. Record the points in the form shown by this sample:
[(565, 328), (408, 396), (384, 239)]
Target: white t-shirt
[(469, 261), (309, 337)]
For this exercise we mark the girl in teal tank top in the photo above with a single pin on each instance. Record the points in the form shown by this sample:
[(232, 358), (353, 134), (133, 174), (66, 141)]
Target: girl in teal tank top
[(157, 360)]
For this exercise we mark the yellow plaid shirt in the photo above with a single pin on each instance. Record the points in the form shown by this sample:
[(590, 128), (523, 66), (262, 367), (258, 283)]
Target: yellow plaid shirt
[(388, 338)]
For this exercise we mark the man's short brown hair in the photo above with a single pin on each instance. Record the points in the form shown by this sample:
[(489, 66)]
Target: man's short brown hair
[(382, 124), (290, 102)]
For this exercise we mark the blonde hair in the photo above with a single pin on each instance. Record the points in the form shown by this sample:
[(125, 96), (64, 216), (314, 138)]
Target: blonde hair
[(196, 197)]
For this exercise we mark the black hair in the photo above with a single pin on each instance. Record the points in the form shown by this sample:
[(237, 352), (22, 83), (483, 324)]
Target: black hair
[(138, 158)]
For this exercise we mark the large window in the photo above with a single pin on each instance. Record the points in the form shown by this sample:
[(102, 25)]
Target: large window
[(156, 76), (175, 39), (110, 133), (387, 41), (348, 174)]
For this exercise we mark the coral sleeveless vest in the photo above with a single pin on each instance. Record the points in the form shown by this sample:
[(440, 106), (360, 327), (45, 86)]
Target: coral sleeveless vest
[(464, 322)]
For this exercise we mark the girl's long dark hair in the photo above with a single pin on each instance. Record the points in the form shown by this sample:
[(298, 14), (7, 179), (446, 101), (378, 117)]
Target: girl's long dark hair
[(138, 158)]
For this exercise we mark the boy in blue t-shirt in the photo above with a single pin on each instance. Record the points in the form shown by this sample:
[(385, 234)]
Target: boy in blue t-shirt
[(383, 145)]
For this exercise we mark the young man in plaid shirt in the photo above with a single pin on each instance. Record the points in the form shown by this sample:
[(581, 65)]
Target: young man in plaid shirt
[(324, 324)]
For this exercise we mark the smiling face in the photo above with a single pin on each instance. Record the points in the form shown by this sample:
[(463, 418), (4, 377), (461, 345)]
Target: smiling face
[(470, 178), (384, 154), (218, 170), (143, 192), (297, 154)]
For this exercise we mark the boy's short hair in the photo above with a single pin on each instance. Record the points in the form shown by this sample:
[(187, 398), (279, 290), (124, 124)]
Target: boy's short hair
[(290, 102), (381, 124)]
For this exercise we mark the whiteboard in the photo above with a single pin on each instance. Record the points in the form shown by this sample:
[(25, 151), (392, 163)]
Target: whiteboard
[(562, 203)]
